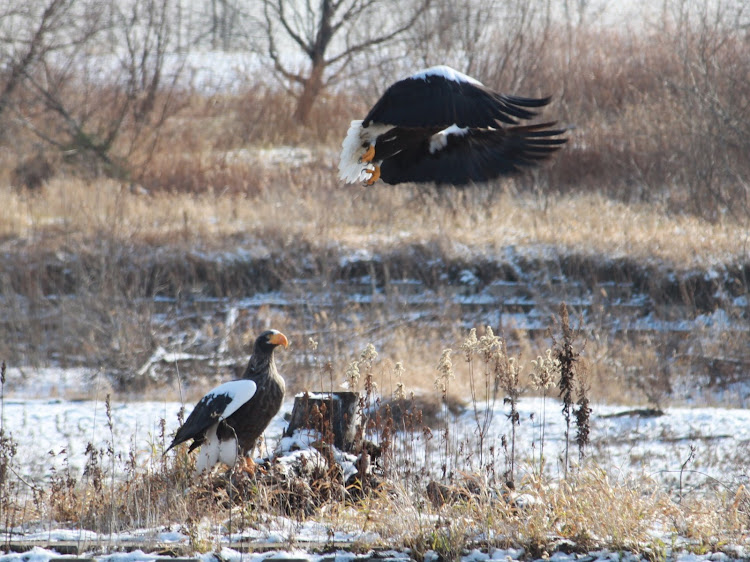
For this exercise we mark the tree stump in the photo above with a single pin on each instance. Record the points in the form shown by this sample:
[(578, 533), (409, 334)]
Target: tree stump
[(329, 413)]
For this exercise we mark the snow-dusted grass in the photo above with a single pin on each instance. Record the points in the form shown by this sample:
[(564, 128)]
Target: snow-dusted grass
[(236, 181), (72, 211), (650, 484)]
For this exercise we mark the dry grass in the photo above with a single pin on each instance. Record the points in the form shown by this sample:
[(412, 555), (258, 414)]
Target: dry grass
[(108, 247), (472, 508), (317, 213), (655, 175)]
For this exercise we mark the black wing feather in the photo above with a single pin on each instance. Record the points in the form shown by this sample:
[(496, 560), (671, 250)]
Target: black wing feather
[(438, 101), (478, 155), (206, 413)]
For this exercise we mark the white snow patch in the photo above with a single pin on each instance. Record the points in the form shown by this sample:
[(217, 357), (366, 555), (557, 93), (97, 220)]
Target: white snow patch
[(467, 277), (301, 439), (48, 382)]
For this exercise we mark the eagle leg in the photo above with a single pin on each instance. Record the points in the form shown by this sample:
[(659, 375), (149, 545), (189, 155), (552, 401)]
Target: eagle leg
[(368, 155), (248, 465), (374, 176)]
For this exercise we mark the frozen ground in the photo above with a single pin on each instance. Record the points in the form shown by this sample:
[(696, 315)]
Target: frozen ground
[(505, 555), (53, 432), (49, 431)]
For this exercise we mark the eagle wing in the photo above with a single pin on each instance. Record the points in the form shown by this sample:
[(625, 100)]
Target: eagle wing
[(219, 403), (461, 156), (428, 100)]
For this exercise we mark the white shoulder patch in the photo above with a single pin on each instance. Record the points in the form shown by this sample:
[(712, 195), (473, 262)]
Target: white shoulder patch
[(439, 140), (238, 391), (446, 72)]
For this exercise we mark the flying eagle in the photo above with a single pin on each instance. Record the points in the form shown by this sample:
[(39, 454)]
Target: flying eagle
[(227, 421), (442, 126)]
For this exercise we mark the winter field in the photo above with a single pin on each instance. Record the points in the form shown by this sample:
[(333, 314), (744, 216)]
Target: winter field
[(166, 195)]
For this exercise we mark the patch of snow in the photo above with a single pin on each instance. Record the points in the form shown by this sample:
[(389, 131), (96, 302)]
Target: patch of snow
[(717, 320), (468, 277), (301, 439)]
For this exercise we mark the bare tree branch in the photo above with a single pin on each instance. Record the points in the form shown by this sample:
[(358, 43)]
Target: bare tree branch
[(322, 32), (36, 48)]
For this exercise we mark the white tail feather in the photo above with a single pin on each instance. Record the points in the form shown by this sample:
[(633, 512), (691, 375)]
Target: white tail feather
[(350, 168), (213, 450)]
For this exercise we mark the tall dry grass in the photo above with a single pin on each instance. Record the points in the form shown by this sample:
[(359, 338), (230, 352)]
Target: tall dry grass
[(106, 251), (410, 502), (229, 196), (660, 117)]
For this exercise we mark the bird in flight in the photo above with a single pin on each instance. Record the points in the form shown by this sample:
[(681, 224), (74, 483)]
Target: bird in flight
[(442, 126)]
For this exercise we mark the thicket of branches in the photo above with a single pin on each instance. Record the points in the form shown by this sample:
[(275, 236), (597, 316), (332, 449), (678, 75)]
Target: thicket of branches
[(661, 111)]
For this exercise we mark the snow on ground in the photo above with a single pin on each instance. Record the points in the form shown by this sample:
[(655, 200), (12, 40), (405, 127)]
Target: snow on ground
[(51, 433), (230, 555)]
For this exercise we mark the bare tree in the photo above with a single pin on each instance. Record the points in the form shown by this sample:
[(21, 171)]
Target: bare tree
[(94, 108), (326, 37), (499, 41), (27, 34)]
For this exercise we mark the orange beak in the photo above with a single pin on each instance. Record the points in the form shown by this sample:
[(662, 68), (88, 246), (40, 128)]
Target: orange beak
[(279, 339)]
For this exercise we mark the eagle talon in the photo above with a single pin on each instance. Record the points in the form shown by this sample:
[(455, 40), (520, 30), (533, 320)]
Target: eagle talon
[(248, 466), (368, 155), (374, 176)]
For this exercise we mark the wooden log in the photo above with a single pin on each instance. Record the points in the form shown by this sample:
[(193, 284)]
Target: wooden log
[(330, 414)]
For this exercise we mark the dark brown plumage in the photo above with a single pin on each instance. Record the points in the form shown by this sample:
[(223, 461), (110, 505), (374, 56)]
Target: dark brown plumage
[(240, 409)]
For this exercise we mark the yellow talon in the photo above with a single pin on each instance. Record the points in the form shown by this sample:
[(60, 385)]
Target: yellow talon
[(374, 176), (368, 155)]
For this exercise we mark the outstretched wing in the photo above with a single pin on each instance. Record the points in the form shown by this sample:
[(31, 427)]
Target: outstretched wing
[(219, 403), (461, 155), (441, 96)]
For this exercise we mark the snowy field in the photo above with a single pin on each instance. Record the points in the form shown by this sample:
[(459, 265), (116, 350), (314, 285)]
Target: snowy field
[(52, 433)]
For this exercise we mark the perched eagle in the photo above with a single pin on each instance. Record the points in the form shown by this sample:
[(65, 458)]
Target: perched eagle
[(442, 126), (228, 420)]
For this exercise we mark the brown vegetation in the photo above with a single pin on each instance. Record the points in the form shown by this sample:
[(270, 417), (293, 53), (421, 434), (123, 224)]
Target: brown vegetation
[(392, 494), (124, 213)]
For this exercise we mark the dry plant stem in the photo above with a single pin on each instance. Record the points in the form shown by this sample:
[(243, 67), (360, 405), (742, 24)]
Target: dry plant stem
[(442, 383), (566, 357)]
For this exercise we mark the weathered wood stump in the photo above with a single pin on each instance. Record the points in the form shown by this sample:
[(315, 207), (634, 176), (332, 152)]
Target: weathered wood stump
[(329, 413)]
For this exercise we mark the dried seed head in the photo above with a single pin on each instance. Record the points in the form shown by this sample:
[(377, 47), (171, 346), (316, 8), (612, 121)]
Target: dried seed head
[(398, 370), (544, 371), (352, 374), (399, 393), (368, 354), (469, 346), (312, 344), (490, 345), (445, 371)]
